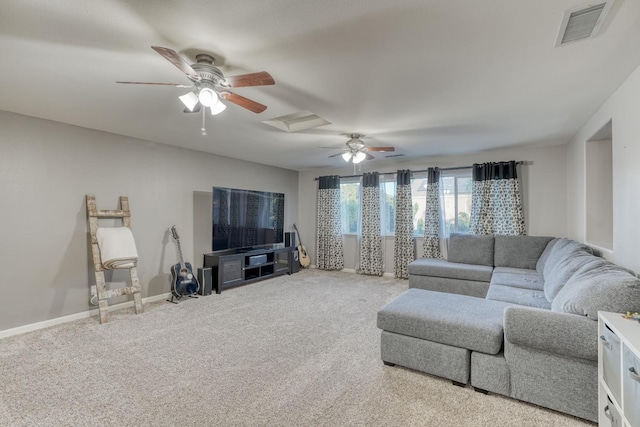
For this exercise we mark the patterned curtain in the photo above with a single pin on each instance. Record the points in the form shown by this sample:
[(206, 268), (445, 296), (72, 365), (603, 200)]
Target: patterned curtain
[(404, 252), (431, 243), (496, 206), (371, 239), (329, 252)]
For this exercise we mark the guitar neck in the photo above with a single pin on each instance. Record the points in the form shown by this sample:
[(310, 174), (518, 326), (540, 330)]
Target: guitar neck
[(298, 233), (182, 266)]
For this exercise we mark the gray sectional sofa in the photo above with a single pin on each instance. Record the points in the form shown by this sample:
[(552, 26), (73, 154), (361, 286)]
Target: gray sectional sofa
[(513, 315)]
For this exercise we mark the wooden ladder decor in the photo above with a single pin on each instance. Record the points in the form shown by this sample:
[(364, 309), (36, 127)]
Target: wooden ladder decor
[(99, 293)]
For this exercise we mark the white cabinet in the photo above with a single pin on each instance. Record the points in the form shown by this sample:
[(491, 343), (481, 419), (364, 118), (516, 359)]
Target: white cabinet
[(618, 371)]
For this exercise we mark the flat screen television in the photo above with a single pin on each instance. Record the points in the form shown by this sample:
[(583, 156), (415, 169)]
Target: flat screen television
[(244, 219)]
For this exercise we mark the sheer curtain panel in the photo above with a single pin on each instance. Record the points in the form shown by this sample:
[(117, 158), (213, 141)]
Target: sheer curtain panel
[(329, 249)]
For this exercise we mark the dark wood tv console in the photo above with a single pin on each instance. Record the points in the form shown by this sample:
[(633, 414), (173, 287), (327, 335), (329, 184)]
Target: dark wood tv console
[(241, 267)]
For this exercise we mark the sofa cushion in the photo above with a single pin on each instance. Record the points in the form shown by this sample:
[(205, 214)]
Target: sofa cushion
[(606, 287), (517, 278), (519, 251), (545, 255), (456, 320), (442, 268), (560, 251), (471, 249), (528, 297), (556, 277)]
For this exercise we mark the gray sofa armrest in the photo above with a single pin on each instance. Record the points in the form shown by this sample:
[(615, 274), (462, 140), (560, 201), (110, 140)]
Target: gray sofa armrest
[(568, 335)]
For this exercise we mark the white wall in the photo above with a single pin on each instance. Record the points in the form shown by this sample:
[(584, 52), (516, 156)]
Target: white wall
[(623, 109), (543, 179), (47, 168)]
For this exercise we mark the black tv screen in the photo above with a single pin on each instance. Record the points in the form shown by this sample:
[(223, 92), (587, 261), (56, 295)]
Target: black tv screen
[(244, 219)]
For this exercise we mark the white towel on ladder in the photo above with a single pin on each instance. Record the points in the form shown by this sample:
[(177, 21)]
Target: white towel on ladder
[(117, 247)]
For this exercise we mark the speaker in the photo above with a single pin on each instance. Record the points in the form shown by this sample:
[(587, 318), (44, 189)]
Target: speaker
[(290, 239), (294, 262), (206, 281)]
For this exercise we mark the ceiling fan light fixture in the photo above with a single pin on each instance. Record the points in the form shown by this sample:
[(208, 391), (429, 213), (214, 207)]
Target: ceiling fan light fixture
[(346, 156), (358, 157), (207, 97), (217, 108), (189, 100)]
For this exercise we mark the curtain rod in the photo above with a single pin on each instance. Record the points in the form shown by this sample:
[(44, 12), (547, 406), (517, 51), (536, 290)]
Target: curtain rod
[(521, 162)]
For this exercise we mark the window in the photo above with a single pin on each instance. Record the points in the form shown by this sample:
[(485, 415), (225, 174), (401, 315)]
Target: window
[(419, 201), (456, 200), (350, 205), (455, 192), (388, 204)]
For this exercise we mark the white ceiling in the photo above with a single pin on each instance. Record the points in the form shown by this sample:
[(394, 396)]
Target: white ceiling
[(430, 77)]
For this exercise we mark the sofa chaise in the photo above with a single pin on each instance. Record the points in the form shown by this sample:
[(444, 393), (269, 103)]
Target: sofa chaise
[(513, 315)]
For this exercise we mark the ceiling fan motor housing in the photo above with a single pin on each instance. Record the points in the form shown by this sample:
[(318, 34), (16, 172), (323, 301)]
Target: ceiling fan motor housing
[(209, 72)]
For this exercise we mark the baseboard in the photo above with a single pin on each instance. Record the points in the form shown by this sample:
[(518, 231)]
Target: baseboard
[(71, 317)]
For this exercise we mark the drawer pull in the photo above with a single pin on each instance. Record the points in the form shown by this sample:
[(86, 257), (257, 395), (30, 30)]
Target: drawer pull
[(604, 341), (633, 374)]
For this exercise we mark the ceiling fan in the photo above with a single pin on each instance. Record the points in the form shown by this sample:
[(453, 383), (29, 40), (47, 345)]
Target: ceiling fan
[(209, 84), (357, 150)]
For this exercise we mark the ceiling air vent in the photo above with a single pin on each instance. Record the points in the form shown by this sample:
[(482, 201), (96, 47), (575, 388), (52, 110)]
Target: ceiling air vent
[(583, 22), (296, 122)]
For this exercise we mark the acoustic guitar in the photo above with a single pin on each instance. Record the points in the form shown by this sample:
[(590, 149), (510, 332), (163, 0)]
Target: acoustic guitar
[(303, 256), (183, 281)]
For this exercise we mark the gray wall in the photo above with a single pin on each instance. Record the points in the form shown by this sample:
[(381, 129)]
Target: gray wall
[(543, 180), (47, 168), (623, 110)]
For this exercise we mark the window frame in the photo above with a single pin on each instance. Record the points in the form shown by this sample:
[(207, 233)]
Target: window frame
[(456, 174), (345, 220)]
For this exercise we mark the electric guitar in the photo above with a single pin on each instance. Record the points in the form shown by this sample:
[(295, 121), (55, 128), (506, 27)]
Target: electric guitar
[(183, 282), (303, 256)]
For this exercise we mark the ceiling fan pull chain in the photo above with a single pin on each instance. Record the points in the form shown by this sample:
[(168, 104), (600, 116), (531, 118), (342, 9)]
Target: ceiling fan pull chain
[(204, 130)]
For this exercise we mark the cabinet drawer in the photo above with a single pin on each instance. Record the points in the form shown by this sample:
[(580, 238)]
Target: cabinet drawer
[(611, 361), (631, 386), (612, 414)]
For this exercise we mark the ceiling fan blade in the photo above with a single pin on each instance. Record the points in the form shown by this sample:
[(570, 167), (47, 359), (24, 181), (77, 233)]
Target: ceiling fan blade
[(261, 78), (177, 60), (243, 102), (381, 149), (160, 84), (196, 109), (337, 154), (369, 156)]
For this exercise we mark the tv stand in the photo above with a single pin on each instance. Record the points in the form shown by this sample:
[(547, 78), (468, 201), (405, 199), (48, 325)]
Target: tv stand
[(241, 267)]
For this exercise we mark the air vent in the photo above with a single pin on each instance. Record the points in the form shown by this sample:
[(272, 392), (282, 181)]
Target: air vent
[(583, 22), (296, 122)]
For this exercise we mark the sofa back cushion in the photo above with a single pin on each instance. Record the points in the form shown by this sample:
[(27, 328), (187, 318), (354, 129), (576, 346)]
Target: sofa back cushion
[(605, 287), (560, 251), (542, 260), (519, 251), (557, 276), (471, 249)]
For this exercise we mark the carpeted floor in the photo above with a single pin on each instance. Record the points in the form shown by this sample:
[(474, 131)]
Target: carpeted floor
[(300, 350)]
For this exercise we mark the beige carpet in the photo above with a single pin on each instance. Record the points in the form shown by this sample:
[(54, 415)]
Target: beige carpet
[(300, 350)]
